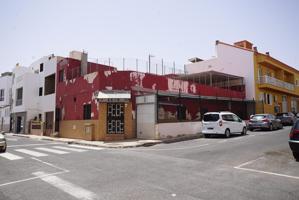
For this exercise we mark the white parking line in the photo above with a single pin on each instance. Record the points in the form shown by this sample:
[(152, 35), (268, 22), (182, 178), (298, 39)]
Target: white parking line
[(86, 147), (28, 179), (67, 187), (32, 153), (51, 150), (10, 156), (61, 171), (69, 149), (29, 145), (241, 167)]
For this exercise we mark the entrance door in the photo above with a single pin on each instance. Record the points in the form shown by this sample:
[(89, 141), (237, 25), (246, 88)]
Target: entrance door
[(115, 118), (49, 123), (19, 124), (284, 104)]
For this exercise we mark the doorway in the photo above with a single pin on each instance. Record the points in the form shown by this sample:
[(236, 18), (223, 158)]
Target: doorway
[(49, 123), (20, 125)]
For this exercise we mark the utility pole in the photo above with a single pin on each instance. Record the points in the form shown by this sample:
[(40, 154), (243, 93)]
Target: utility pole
[(173, 67), (162, 67), (149, 62)]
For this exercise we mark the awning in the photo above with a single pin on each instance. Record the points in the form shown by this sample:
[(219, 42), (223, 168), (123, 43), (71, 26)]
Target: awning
[(113, 96)]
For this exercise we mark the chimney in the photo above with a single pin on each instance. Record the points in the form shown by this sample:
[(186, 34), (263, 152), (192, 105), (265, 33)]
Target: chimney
[(82, 56), (244, 44), (268, 53), (84, 63), (255, 49)]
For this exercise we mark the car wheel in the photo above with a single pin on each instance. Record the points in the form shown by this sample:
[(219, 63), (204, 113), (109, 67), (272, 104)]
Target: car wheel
[(3, 149), (251, 129), (296, 156), (244, 131), (227, 133), (207, 135)]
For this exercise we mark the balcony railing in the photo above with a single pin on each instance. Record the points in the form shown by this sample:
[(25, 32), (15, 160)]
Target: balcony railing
[(278, 83)]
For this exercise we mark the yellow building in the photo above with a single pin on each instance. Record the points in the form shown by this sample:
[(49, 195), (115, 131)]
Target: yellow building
[(272, 85), (276, 85)]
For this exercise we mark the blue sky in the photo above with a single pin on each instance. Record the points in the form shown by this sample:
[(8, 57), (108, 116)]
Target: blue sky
[(173, 30)]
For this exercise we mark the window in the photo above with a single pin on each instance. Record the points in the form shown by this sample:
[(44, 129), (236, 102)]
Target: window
[(61, 75), (228, 118), (211, 117), (268, 98), (41, 67), (19, 97), (259, 73), (2, 95), (236, 119), (40, 92), (115, 118), (50, 84), (275, 99), (87, 111)]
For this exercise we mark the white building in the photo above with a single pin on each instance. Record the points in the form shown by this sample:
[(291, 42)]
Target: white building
[(230, 59), (5, 100), (33, 94)]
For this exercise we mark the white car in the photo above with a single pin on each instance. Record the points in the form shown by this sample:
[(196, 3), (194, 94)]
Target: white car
[(3, 144), (224, 123)]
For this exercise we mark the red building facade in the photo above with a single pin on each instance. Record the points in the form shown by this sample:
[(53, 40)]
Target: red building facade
[(76, 96)]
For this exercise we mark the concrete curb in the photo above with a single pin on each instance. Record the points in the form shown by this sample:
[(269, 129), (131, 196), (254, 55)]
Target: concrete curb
[(182, 138), (87, 143), (115, 145)]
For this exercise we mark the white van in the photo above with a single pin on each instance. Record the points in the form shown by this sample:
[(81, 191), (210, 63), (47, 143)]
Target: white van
[(224, 123)]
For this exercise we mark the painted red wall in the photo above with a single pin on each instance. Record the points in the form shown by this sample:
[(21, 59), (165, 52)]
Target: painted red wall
[(76, 90)]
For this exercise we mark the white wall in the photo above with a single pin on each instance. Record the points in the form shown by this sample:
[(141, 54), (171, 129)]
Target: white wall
[(45, 103), (31, 79), (166, 130), (5, 108), (230, 60)]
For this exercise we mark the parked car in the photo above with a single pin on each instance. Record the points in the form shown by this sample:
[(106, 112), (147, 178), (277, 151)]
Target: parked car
[(224, 123), (3, 144), (264, 121), (287, 118), (294, 140)]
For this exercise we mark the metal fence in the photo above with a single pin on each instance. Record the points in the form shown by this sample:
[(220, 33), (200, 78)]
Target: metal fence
[(151, 65)]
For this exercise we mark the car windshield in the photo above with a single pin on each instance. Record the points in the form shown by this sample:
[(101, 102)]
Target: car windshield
[(258, 117), (211, 117), (296, 126)]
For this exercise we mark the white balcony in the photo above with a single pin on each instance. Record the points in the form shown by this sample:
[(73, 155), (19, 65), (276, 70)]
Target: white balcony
[(276, 82)]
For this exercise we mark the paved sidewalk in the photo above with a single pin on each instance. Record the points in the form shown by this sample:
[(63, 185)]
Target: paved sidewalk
[(110, 144)]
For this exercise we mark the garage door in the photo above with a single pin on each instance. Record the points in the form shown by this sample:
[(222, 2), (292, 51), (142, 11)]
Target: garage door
[(146, 117)]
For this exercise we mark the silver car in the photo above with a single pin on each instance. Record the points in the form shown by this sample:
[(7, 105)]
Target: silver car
[(3, 144), (264, 121)]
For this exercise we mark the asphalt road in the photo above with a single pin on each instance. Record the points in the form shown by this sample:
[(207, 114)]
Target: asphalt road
[(256, 166)]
